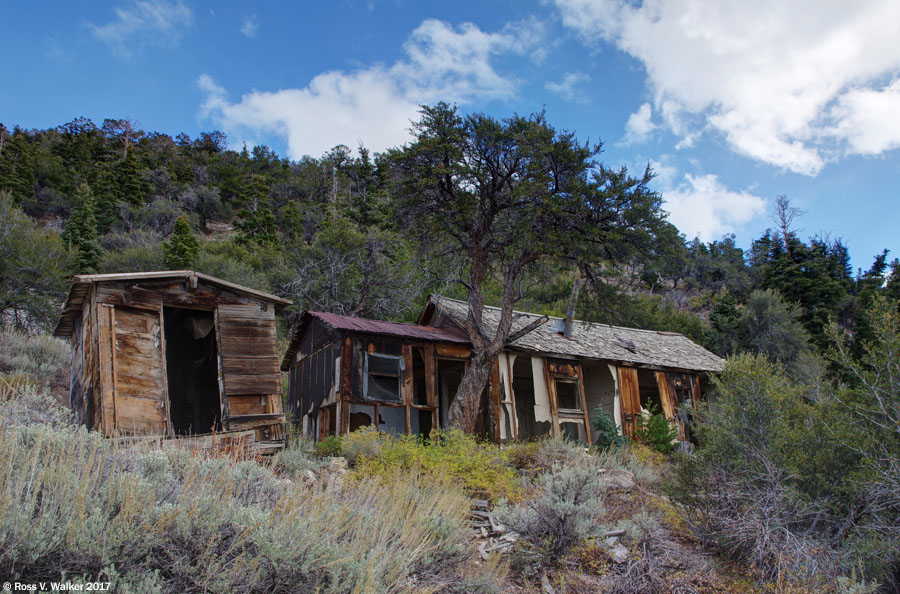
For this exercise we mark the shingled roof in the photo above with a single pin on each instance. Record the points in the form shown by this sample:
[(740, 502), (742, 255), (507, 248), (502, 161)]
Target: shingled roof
[(592, 340)]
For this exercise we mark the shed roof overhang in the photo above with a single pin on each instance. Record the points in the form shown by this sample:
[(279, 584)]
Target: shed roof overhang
[(82, 283)]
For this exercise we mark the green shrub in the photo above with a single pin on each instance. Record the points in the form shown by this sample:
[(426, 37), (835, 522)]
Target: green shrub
[(477, 466), (566, 511), (365, 442), (45, 359), (522, 456), (297, 457), (330, 446), (607, 432), (656, 431)]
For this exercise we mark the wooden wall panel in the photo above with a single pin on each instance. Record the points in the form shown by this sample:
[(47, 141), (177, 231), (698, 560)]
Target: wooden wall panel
[(139, 380), (631, 399), (248, 350), (105, 361), (666, 395)]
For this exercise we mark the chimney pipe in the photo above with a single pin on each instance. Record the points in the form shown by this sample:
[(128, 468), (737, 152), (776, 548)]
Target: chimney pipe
[(570, 313)]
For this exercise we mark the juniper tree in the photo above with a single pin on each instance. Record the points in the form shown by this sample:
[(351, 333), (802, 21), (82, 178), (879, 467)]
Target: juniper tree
[(494, 198)]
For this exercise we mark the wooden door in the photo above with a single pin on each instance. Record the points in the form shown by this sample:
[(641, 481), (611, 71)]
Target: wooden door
[(250, 371), (135, 371), (630, 397)]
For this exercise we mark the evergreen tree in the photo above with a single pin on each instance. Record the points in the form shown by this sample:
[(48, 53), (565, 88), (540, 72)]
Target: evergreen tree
[(257, 225), (892, 287), (182, 247), (130, 187), (80, 234), (17, 166), (107, 197)]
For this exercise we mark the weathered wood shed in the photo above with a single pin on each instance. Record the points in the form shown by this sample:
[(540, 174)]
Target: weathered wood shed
[(347, 372), (174, 353)]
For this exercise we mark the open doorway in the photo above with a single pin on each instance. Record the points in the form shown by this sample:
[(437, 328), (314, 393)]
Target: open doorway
[(449, 373), (600, 393), (649, 391), (529, 426), (192, 371)]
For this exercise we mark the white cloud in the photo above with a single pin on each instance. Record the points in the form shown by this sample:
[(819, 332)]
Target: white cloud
[(375, 105), (786, 82), (250, 26), (870, 119), (640, 125), (568, 89), (158, 22), (701, 206)]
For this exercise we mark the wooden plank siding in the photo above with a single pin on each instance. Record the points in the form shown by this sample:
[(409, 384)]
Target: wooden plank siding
[(139, 377), (119, 381), (249, 367), (630, 397)]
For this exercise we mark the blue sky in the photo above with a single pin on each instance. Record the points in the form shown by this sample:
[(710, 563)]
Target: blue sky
[(732, 102)]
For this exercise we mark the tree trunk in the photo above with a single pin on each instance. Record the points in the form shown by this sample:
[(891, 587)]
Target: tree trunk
[(464, 410)]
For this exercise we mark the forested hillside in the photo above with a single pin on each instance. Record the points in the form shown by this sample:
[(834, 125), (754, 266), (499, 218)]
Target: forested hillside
[(87, 197), (795, 474)]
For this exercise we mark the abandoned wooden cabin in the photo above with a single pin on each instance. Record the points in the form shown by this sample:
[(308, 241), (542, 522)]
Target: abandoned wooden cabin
[(348, 372), (174, 353), (552, 384)]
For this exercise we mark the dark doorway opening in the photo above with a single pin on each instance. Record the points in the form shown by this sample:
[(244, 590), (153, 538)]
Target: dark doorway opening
[(192, 370), (523, 386), (449, 372)]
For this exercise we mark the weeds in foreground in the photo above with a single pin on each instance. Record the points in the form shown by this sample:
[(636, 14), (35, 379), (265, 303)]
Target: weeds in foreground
[(74, 504), (476, 466)]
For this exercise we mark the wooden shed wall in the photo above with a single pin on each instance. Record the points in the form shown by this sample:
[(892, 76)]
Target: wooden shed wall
[(122, 361)]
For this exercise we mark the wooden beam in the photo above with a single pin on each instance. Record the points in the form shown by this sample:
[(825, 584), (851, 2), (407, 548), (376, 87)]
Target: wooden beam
[(525, 330)]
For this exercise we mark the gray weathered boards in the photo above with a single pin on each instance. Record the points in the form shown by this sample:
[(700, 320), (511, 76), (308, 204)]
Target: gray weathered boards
[(173, 353)]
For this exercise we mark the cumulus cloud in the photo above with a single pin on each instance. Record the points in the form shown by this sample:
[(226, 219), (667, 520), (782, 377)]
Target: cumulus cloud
[(701, 206), (567, 88), (250, 26), (788, 83), (158, 22), (640, 125), (375, 105)]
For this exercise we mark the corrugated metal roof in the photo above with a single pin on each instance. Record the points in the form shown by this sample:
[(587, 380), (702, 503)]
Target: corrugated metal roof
[(366, 326), (594, 341)]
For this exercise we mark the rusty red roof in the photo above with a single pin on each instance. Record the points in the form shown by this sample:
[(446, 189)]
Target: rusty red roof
[(365, 326)]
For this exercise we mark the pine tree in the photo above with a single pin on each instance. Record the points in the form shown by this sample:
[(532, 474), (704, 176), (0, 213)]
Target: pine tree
[(17, 166), (130, 187), (182, 247), (80, 234), (107, 198)]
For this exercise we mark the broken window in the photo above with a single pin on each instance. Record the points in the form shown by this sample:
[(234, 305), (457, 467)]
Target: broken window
[(392, 419), (361, 415), (567, 396), (382, 377), (573, 430)]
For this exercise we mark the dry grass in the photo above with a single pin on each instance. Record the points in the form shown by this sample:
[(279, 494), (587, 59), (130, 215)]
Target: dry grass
[(169, 521)]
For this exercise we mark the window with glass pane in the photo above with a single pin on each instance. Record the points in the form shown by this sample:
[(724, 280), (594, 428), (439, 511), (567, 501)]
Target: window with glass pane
[(567, 395), (382, 377)]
